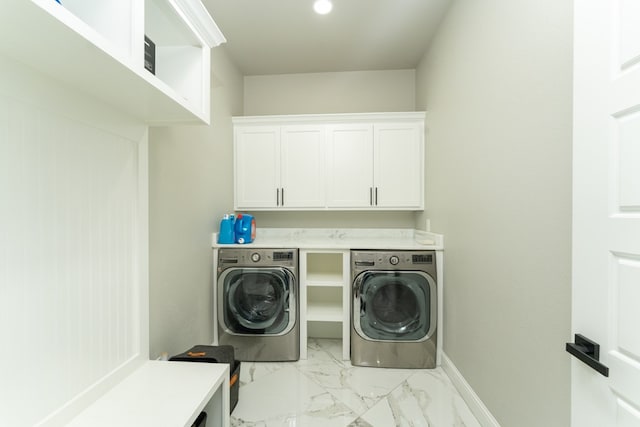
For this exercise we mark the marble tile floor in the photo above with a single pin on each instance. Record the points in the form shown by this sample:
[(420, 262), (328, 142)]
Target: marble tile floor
[(325, 391)]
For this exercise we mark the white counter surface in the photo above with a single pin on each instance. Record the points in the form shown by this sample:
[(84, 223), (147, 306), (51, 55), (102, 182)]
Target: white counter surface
[(346, 238)]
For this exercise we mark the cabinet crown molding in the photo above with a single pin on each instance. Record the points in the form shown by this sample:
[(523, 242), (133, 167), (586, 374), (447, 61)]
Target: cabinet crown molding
[(329, 118), (203, 24)]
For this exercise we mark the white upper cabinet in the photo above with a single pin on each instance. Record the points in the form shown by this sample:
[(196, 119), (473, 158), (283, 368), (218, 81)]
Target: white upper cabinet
[(257, 167), (302, 166), (370, 161), (375, 165), (350, 165), (397, 175), (279, 167), (98, 48)]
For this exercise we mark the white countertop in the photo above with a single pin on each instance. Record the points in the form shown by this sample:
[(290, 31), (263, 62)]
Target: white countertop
[(345, 238)]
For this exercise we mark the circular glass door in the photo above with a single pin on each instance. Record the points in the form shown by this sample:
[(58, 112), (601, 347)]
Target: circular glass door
[(394, 305), (258, 301)]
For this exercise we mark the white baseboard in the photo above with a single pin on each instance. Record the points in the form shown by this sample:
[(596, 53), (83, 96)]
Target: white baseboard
[(470, 397)]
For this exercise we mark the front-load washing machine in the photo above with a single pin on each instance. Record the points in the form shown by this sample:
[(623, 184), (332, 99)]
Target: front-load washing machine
[(394, 309), (257, 303)]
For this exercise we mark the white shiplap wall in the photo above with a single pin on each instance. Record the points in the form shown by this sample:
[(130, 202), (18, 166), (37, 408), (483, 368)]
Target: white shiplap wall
[(73, 247)]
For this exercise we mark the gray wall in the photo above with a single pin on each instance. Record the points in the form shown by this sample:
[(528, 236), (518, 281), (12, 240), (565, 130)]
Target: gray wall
[(191, 177), (344, 92), (497, 87)]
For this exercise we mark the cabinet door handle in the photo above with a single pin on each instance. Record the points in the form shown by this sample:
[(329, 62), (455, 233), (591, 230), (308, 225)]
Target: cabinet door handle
[(282, 189), (277, 197), (376, 196), (371, 196)]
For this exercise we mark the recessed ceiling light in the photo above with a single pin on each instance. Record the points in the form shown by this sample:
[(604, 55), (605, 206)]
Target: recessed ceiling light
[(322, 7)]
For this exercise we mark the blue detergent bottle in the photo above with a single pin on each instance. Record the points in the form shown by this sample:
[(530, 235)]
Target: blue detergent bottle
[(227, 234), (245, 228)]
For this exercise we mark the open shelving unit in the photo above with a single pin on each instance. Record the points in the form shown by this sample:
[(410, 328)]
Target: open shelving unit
[(324, 295), (180, 54), (97, 47)]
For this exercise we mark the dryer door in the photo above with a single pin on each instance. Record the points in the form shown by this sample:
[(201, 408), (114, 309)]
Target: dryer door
[(394, 306), (257, 301)]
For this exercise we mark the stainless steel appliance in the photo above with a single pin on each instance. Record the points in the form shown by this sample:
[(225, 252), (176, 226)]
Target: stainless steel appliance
[(258, 303), (393, 309)]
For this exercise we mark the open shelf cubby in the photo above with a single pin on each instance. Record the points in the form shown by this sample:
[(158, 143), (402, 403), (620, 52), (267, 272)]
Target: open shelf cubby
[(331, 330), (111, 20), (324, 269), (178, 51), (324, 304)]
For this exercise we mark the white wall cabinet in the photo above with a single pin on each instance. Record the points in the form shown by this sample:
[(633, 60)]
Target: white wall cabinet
[(97, 48), (376, 165), (257, 167), (302, 166), (350, 165), (398, 159), (279, 167), (330, 162)]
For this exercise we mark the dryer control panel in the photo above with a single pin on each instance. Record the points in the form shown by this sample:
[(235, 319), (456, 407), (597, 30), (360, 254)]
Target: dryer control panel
[(392, 260)]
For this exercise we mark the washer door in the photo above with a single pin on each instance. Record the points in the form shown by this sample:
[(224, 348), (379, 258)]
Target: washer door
[(257, 301), (394, 305)]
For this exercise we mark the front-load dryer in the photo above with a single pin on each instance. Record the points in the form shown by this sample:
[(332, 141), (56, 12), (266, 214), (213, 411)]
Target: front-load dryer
[(394, 309), (257, 303)]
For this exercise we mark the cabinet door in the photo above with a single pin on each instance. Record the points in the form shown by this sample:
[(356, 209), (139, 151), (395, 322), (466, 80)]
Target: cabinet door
[(302, 166), (398, 160), (257, 166), (349, 165)]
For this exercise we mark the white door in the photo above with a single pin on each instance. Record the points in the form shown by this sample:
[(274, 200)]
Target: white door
[(350, 165), (257, 167), (606, 206), (397, 166), (302, 166)]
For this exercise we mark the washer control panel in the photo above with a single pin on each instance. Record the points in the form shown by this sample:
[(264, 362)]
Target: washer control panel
[(256, 257)]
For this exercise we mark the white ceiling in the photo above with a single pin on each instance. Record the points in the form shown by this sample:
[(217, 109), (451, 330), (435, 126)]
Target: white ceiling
[(286, 36)]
